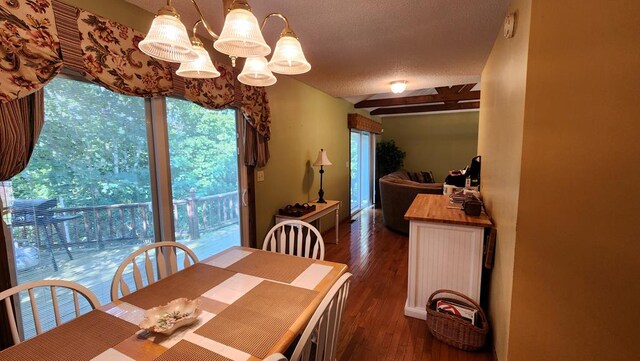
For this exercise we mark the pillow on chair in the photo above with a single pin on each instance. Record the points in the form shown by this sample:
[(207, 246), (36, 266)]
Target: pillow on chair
[(416, 177), (428, 177)]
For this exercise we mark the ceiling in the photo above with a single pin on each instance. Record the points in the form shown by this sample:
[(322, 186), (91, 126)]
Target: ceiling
[(356, 48)]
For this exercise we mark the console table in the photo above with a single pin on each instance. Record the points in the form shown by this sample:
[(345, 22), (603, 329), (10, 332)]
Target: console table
[(445, 251), (322, 209)]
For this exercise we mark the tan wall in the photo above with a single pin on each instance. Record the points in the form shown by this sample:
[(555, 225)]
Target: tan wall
[(500, 144), (303, 120), (435, 142), (577, 257)]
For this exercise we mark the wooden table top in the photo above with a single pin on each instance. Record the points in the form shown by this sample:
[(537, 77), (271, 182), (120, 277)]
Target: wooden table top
[(433, 208), (254, 303)]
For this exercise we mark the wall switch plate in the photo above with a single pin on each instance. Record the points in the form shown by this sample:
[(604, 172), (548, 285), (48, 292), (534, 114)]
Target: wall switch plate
[(347, 164), (260, 176)]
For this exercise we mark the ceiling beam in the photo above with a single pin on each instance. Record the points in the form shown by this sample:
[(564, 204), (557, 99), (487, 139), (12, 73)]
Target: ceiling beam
[(454, 89), (418, 99), (426, 108)]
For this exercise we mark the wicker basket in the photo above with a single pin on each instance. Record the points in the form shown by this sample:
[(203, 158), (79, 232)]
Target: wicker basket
[(453, 330)]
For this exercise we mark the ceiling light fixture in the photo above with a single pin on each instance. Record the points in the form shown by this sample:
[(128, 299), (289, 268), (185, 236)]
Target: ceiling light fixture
[(241, 37), (398, 86)]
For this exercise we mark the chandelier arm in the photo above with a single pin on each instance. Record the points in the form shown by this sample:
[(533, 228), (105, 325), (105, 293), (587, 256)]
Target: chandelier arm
[(278, 15), (195, 26), (203, 21)]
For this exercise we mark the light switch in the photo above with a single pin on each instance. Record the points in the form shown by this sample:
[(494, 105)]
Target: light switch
[(260, 176)]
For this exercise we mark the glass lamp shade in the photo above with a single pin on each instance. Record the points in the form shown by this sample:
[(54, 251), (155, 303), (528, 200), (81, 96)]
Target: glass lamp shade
[(201, 68), (168, 40), (241, 36), (288, 57), (322, 159), (256, 72)]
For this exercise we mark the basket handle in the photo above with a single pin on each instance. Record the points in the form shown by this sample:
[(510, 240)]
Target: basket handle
[(485, 324)]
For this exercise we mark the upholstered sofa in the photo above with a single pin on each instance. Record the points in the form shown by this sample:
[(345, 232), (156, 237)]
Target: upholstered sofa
[(397, 191)]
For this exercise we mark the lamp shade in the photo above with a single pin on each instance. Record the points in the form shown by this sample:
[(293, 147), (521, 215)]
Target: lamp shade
[(241, 36), (200, 68), (322, 159), (256, 72), (168, 40), (288, 57)]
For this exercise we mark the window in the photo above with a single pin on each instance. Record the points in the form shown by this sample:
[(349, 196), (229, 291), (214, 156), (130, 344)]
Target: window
[(204, 176), (361, 170), (84, 201)]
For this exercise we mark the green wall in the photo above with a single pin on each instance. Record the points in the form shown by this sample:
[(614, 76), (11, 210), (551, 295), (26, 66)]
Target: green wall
[(435, 142), (303, 120)]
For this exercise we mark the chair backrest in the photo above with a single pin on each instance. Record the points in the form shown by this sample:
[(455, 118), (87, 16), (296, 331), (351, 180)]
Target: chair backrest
[(53, 285), (295, 238), (161, 269), (326, 324)]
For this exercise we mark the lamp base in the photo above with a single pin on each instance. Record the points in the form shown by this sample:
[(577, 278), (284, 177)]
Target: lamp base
[(321, 197)]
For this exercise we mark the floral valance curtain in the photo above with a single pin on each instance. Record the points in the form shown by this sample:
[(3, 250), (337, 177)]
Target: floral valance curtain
[(29, 47), (112, 59), (216, 93)]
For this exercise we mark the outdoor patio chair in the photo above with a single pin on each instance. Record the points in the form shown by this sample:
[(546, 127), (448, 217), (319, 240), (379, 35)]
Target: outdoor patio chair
[(166, 264), (53, 285), (294, 237)]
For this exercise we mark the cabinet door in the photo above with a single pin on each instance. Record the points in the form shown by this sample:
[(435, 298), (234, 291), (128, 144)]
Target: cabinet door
[(442, 256)]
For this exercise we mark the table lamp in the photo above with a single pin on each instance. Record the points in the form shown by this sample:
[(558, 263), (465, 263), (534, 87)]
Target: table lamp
[(321, 161)]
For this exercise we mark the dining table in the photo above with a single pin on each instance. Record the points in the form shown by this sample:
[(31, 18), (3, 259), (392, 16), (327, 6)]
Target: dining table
[(253, 304)]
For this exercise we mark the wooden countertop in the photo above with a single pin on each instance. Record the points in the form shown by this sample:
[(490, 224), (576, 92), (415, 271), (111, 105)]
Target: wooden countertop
[(433, 208)]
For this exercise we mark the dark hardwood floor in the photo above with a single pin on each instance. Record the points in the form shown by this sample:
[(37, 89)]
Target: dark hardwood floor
[(374, 326)]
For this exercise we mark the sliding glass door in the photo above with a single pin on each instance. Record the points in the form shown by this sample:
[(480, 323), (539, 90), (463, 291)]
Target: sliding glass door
[(203, 152), (361, 170), (84, 201), (96, 188)]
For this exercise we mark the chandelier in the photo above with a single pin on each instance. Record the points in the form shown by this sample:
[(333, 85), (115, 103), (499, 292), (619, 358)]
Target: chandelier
[(241, 37)]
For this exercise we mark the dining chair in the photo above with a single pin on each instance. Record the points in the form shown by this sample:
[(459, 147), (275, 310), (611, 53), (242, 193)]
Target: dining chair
[(153, 273), (54, 286), (294, 237), (319, 339)]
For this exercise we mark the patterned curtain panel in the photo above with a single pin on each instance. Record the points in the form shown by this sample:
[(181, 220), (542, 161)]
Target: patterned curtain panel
[(112, 58), (216, 93), (254, 105), (29, 47), (20, 123), (255, 108)]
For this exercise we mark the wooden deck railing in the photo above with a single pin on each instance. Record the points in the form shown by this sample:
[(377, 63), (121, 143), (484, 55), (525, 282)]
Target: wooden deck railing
[(134, 221)]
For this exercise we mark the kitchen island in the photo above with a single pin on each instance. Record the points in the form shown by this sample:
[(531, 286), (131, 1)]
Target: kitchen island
[(445, 251)]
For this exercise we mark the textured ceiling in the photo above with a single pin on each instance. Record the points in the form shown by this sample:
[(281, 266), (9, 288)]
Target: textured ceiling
[(356, 48)]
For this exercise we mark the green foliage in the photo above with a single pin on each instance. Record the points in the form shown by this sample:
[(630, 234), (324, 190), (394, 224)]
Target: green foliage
[(202, 144), (389, 157), (93, 148)]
